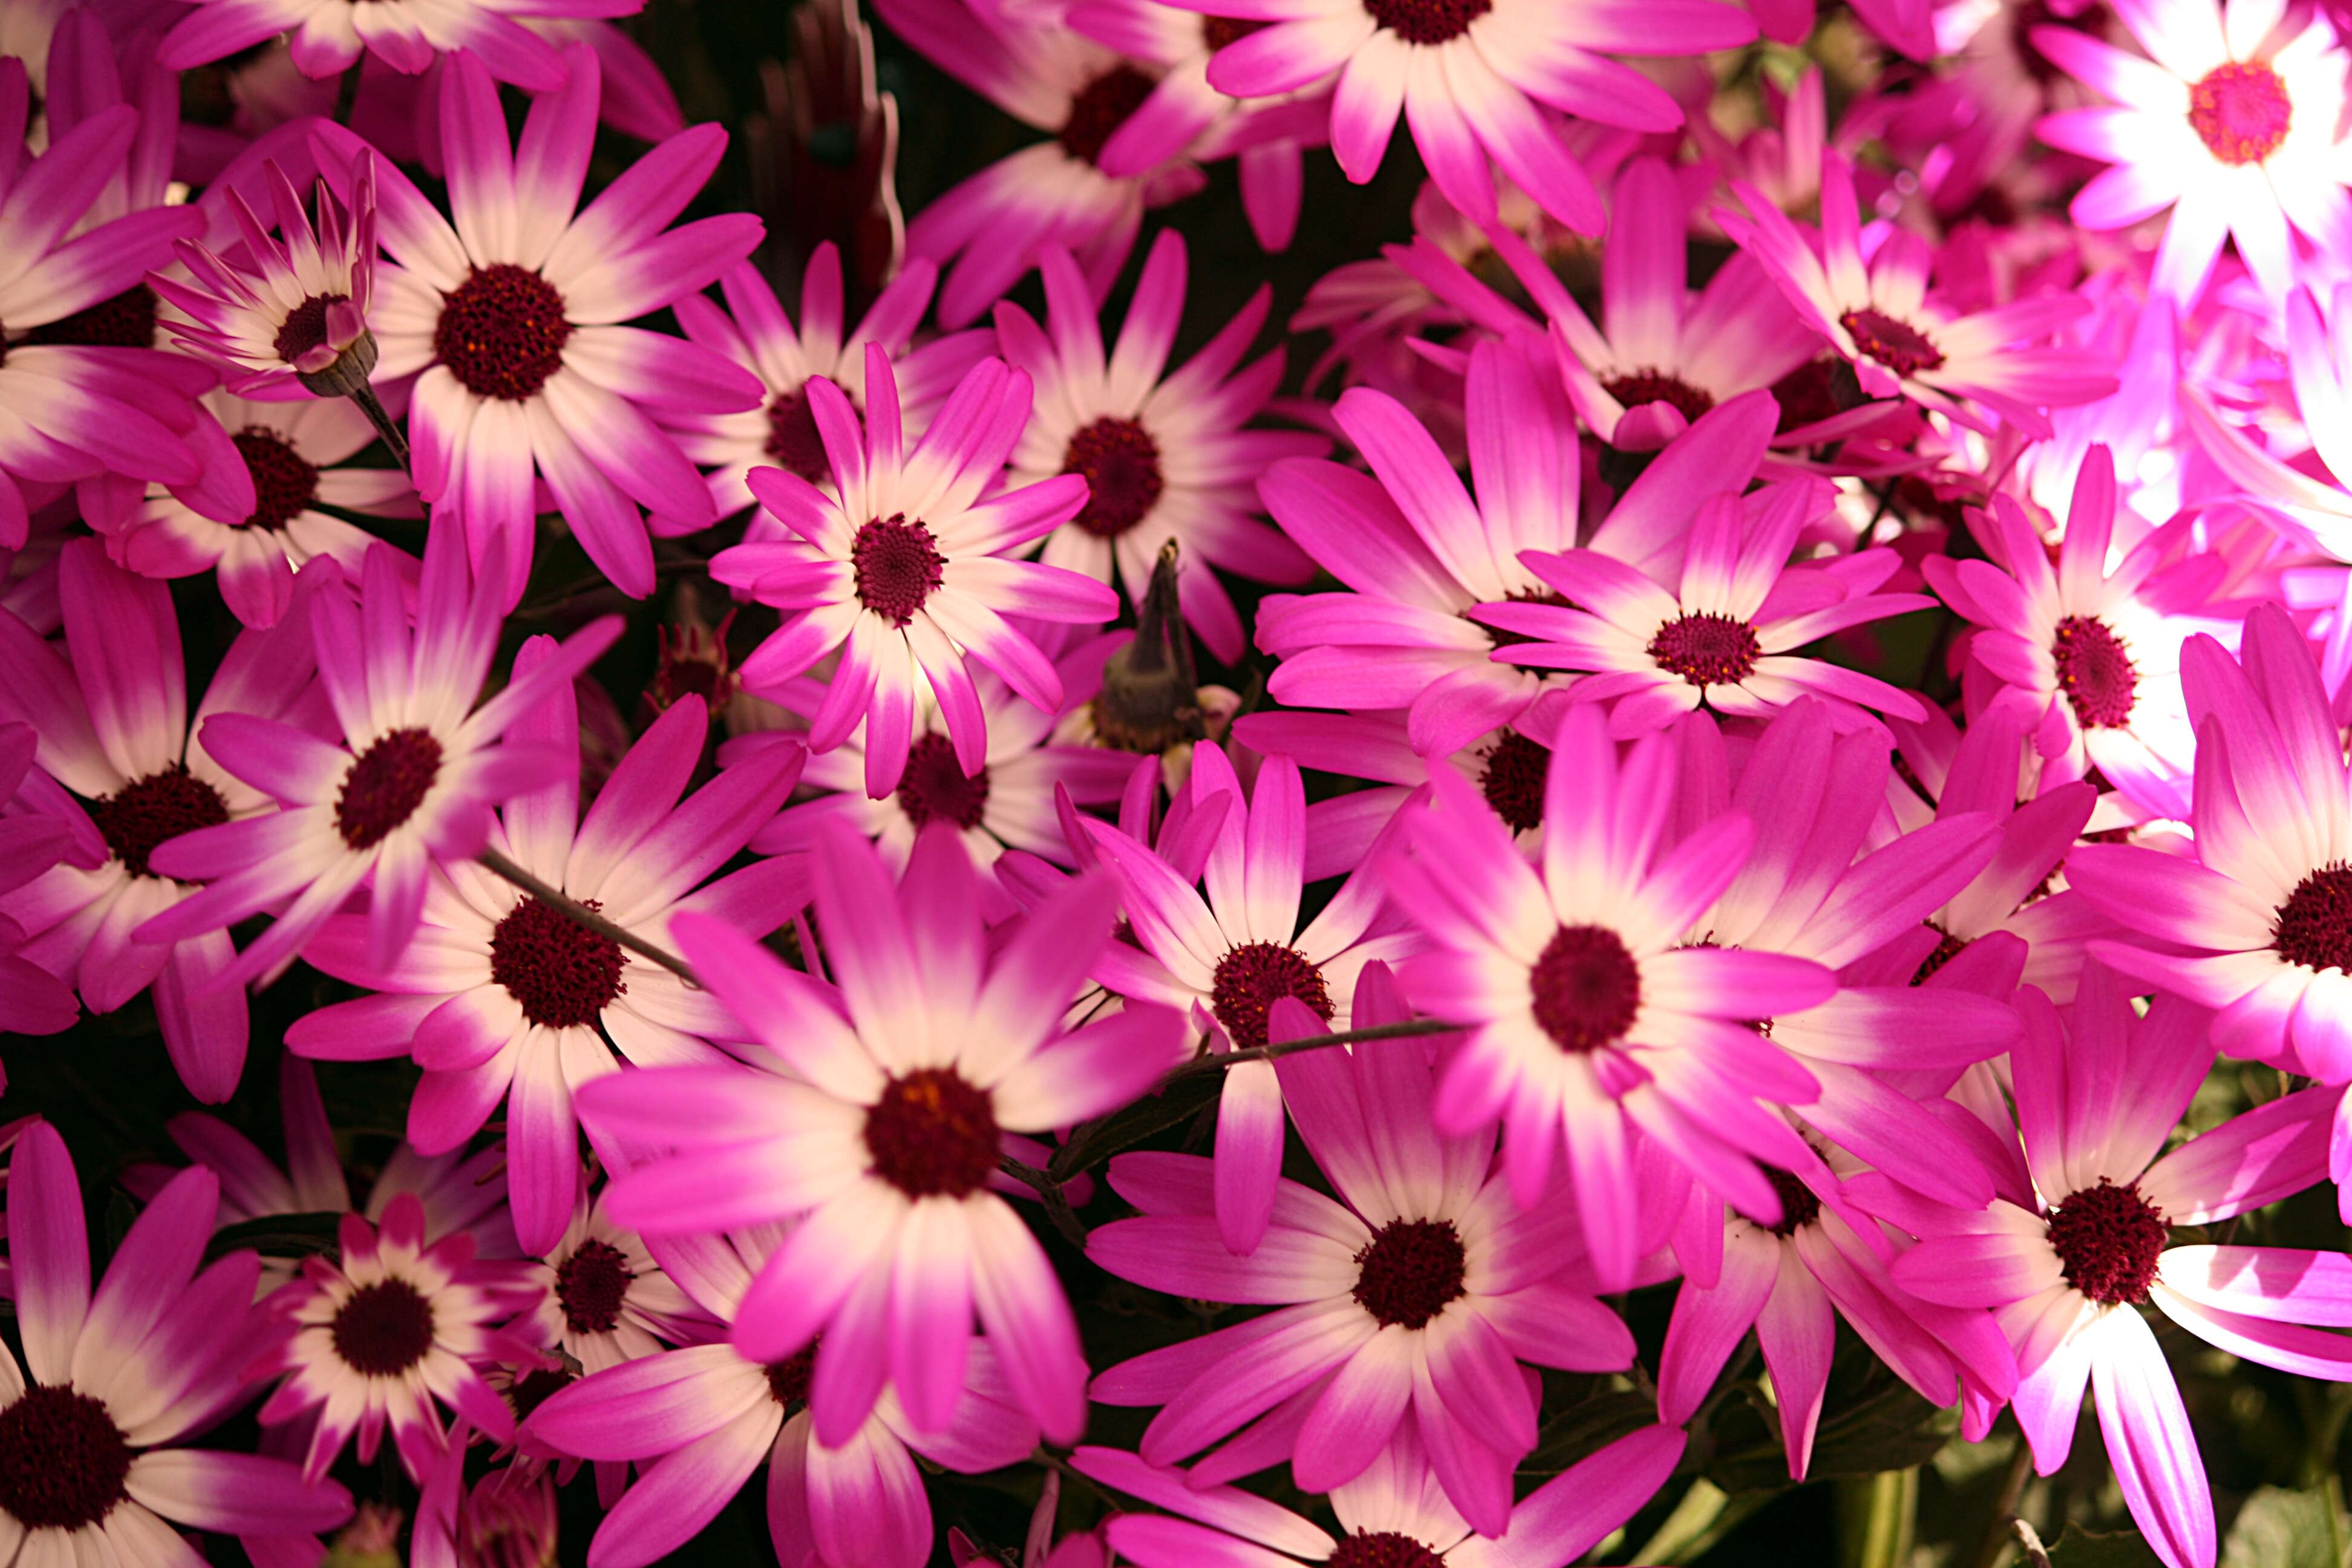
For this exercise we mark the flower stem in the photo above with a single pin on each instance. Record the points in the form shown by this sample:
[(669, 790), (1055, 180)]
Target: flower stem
[(1219, 1061), (373, 408), (573, 909)]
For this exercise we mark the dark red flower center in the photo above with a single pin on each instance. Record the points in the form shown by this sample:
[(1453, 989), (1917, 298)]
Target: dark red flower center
[(383, 1330), (1120, 463), (591, 1286), (2108, 1240), (1707, 649), (788, 1380), (1382, 1549), (560, 972), (1100, 108), (62, 1460), (386, 786), (1219, 31), (1892, 342), (125, 322), (502, 332), (793, 439), (1251, 978), (1427, 21), (284, 481), (2313, 927), (897, 565), (1656, 386), (1513, 780), (2095, 671), (305, 326), (1947, 948), (1409, 1271), (932, 1134), (1809, 393), (1799, 1206), (934, 787), (1586, 988), (536, 1387), (2241, 111), (139, 816)]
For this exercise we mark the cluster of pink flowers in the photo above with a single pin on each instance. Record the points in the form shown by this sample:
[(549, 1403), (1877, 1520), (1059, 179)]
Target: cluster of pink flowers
[(1776, 715)]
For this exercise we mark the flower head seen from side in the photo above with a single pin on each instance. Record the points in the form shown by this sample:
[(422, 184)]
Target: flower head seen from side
[(156, 1353), (296, 308), (510, 316), (328, 37), (1475, 79), (2233, 120), (1726, 637), (1422, 1283), (298, 455), (2091, 654), (112, 712), (990, 230), (1393, 1514), (91, 411), (754, 332), (697, 1421), (393, 1325), (1416, 552), (903, 567), (1229, 955), (2256, 926), (904, 1080), (415, 779), (505, 999), (1589, 1024), (1974, 368), (2081, 1239), (1163, 453)]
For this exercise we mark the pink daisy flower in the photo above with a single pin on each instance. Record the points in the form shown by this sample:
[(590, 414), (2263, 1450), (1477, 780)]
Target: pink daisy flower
[(79, 412), (989, 231), (901, 566), (328, 37), (2255, 925), (1792, 1283), (380, 1334), (2234, 121), (1726, 637), (698, 1420), (111, 713), (754, 331), (1473, 79), (2091, 655), (509, 319), (1010, 804), (154, 1355), (2080, 1239), (419, 768), (504, 1000), (1164, 456), (1972, 367), (32, 1000), (1391, 1514), (1404, 1308), (292, 450), (296, 306), (888, 1130), (1227, 957), (1418, 553), (1591, 1026), (604, 1300)]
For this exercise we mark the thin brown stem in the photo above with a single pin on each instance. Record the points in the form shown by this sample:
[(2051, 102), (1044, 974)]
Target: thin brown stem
[(1219, 1061), (573, 909), (371, 406), (1049, 1190)]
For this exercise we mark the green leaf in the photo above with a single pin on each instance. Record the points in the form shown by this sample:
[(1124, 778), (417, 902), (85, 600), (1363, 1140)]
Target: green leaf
[(1891, 1429), (2080, 1547), (1586, 1428), (2283, 1529), (279, 1236)]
